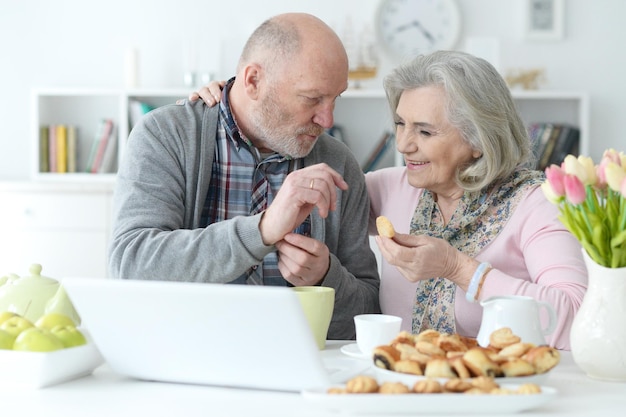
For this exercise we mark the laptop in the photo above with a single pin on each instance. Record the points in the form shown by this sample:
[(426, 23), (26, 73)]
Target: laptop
[(199, 333)]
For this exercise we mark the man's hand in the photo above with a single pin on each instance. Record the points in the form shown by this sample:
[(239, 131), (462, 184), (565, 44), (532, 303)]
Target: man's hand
[(304, 189), (302, 260)]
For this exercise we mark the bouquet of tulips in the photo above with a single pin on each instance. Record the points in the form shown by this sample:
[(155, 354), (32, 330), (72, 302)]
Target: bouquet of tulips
[(592, 203)]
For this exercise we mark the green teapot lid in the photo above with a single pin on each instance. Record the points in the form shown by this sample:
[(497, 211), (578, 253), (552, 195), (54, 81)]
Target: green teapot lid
[(35, 278)]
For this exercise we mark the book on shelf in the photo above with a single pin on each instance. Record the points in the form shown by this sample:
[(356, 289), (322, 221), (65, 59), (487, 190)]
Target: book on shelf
[(385, 143), (57, 148), (546, 153), (109, 158), (44, 163), (72, 148), (99, 145), (566, 144), (61, 151), (552, 142), (52, 148)]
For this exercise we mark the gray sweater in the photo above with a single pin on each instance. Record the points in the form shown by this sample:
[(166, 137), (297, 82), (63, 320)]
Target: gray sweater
[(160, 191)]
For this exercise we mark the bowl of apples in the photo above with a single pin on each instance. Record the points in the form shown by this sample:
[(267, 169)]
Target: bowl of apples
[(51, 350)]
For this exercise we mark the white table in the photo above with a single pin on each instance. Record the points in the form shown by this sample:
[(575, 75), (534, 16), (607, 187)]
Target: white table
[(105, 393)]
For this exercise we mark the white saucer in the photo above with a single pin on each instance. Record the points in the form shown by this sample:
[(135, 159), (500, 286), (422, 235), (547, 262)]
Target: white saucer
[(353, 350)]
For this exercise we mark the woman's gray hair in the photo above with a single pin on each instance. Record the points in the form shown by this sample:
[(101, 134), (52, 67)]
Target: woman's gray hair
[(478, 103)]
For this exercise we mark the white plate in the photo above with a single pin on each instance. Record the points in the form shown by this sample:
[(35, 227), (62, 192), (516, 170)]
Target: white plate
[(353, 350), (41, 369), (429, 403), (383, 375)]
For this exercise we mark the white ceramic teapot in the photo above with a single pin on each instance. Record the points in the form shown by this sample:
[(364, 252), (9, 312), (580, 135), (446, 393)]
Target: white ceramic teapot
[(521, 314), (35, 295)]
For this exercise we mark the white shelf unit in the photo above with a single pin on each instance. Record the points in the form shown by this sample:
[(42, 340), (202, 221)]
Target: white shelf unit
[(84, 108), (362, 114)]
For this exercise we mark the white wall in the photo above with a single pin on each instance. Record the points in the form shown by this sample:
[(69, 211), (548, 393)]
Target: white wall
[(79, 43)]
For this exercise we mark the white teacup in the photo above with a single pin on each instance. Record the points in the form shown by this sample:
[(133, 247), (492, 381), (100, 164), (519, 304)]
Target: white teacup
[(519, 313), (374, 330)]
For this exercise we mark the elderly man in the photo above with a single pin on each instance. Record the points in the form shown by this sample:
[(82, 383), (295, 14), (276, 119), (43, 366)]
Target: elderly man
[(253, 191)]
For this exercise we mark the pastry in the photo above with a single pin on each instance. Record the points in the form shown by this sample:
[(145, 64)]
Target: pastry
[(409, 352), (430, 349), (502, 338), (484, 383), (469, 342), (516, 349), (439, 368), (384, 227), (543, 358), (451, 343), (457, 385), (458, 366), (428, 335), (362, 385), (386, 357), (404, 337), (479, 364), (517, 367), (408, 367), (427, 386), (393, 388)]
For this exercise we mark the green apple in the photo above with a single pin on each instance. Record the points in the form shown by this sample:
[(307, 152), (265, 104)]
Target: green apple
[(50, 320), (69, 335), (35, 339), (5, 315), (6, 340), (15, 325)]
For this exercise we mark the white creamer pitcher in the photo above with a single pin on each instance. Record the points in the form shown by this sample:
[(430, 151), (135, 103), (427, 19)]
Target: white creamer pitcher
[(520, 313)]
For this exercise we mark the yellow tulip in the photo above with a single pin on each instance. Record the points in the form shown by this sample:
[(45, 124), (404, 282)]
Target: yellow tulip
[(614, 176), (581, 167), (552, 197)]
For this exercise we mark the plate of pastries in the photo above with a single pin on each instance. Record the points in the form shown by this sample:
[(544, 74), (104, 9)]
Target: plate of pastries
[(433, 372), (507, 359), (366, 394)]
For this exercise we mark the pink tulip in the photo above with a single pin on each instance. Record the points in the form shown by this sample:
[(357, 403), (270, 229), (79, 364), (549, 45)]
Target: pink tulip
[(555, 175), (574, 189), (613, 156)]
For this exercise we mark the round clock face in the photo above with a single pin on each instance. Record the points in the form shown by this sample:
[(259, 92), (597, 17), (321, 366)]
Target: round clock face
[(407, 28)]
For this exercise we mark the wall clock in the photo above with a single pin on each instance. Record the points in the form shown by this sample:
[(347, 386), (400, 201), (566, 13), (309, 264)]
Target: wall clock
[(406, 28)]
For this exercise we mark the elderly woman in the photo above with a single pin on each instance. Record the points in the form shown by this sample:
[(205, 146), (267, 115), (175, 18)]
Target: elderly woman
[(478, 223), (472, 220)]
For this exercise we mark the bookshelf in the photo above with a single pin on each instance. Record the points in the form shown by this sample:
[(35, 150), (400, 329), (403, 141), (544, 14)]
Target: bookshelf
[(362, 115), (85, 109)]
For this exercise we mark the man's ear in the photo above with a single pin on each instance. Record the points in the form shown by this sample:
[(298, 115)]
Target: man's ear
[(252, 75)]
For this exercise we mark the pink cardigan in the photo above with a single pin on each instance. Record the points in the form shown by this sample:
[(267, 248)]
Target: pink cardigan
[(534, 255)]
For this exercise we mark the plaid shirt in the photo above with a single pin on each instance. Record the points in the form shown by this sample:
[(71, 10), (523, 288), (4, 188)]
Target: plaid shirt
[(238, 168)]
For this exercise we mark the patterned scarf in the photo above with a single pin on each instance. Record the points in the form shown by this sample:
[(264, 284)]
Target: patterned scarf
[(478, 219)]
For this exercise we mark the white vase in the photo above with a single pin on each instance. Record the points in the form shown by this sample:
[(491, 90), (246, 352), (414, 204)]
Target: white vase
[(598, 334)]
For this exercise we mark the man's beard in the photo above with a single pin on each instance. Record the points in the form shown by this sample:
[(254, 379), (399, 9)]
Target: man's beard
[(273, 129)]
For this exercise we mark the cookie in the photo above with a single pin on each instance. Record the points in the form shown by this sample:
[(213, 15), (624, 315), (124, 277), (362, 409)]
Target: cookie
[(362, 385), (384, 226)]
